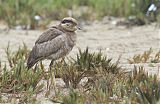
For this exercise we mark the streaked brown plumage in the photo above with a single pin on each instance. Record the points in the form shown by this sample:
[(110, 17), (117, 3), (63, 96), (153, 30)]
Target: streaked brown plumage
[(54, 43)]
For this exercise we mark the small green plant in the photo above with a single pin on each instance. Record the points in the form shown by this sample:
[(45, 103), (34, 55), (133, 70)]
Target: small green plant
[(70, 74), (146, 86), (92, 61), (85, 65), (14, 57), (18, 79), (73, 98), (132, 87)]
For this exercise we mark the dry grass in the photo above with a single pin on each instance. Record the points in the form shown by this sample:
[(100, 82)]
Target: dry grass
[(145, 57)]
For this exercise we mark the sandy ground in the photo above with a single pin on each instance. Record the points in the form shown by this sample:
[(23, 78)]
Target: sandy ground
[(112, 40)]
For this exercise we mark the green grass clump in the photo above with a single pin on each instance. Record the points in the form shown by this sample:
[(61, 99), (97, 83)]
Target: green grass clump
[(136, 87), (85, 65), (73, 98), (146, 86), (18, 79)]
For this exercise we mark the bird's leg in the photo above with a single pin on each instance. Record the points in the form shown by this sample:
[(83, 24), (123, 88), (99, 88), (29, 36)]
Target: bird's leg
[(34, 70), (62, 60), (50, 65), (65, 79), (52, 76)]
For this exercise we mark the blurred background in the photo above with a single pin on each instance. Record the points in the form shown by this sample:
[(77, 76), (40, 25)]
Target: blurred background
[(31, 14)]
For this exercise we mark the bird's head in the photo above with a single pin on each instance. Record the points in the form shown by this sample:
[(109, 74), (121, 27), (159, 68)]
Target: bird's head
[(69, 24)]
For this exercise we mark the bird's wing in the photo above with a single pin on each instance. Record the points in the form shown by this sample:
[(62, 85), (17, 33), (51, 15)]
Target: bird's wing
[(45, 49), (48, 35), (50, 42)]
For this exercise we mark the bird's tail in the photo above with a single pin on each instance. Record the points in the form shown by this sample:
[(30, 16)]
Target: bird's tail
[(31, 60), (30, 64)]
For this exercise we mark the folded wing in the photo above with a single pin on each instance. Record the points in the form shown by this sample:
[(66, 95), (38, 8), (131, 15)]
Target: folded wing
[(47, 44)]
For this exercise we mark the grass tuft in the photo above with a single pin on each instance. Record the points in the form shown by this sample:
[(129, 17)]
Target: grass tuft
[(145, 57)]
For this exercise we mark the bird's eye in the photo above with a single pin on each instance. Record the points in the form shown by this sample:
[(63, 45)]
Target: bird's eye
[(67, 24), (65, 21)]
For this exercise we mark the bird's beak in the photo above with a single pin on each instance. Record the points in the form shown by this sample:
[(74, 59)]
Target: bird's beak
[(79, 28)]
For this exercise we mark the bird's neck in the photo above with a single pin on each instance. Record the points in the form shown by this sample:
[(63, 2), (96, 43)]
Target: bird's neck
[(71, 34)]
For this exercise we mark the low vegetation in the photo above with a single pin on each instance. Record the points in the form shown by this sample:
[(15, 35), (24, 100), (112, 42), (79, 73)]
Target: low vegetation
[(22, 12), (145, 57), (105, 81)]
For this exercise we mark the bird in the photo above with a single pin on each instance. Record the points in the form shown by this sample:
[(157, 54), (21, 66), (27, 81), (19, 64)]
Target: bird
[(54, 43)]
